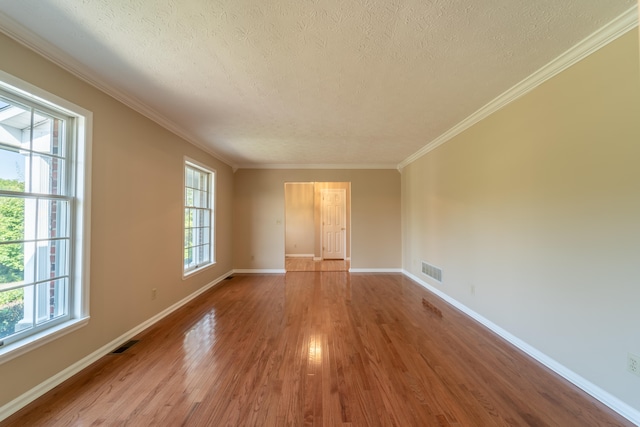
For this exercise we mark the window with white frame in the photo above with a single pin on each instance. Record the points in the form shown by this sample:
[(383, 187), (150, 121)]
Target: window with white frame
[(198, 217), (43, 207)]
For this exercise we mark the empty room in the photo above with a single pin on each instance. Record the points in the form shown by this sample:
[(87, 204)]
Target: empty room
[(367, 213)]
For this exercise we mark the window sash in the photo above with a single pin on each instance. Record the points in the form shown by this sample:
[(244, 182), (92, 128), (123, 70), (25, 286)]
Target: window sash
[(47, 235)]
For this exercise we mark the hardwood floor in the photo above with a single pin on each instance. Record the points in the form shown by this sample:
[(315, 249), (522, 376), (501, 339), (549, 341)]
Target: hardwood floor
[(332, 349), (308, 264)]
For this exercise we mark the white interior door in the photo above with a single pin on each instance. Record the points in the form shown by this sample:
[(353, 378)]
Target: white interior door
[(334, 217)]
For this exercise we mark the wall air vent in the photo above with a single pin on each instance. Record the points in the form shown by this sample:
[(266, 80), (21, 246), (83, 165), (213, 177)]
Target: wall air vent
[(432, 271), (124, 347)]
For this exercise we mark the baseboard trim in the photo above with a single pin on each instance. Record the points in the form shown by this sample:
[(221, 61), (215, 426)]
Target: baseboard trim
[(603, 396), (298, 255), (23, 400), (375, 270), (260, 270)]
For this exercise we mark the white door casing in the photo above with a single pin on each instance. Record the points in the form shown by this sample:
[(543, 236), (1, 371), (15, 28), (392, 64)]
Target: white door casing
[(334, 217)]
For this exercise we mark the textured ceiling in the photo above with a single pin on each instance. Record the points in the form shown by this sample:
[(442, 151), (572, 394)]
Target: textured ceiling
[(298, 82)]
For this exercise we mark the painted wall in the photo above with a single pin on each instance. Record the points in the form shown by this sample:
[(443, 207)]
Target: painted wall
[(136, 220), (299, 218), (259, 209), (534, 216)]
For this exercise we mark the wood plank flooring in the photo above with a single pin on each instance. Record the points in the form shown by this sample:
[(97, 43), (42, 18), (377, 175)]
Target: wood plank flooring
[(317, 349), (308, 264)]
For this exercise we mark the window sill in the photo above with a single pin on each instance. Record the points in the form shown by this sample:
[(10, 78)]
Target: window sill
[(32, 342), (197, 270)]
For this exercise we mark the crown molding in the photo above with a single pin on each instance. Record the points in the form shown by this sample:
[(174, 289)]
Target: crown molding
[(52, 53), (597, 40), (318, 166)]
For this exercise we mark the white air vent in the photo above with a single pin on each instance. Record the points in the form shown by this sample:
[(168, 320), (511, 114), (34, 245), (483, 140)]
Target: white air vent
[(432, 271)]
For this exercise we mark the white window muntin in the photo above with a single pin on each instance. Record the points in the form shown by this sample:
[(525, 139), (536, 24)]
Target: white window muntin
[(198, 219)]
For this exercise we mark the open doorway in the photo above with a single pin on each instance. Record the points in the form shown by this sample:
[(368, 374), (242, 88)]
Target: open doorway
[(317, 226)]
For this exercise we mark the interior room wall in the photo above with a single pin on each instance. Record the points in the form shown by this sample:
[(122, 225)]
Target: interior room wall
[(136, 221), (259, 209), (533, 215), (299, 218)]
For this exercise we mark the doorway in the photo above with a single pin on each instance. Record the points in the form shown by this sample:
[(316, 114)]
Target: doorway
[(317, 226)]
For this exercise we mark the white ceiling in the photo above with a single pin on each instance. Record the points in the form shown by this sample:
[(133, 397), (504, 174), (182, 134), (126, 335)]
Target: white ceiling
[(307, 82)]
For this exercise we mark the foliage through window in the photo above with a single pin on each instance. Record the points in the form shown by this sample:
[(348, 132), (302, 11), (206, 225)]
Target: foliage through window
[(37, 198), (198, 217)]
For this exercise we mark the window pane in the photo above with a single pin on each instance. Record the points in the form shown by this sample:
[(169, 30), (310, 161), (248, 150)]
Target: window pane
[(48, 134), (204, 217), (12, 263), (202, 236), (187, 238), (52, 259), (11, 219), (11, 312), (12, 167), (203, 182), (15, 124), (188, 257), (204, 199), (194, 201), (203, 254), (47, 175), (188, 197), (51, 300), (189, 180), (187, 222), (196, 179), (52, 219), (200, 199), (196, 237)]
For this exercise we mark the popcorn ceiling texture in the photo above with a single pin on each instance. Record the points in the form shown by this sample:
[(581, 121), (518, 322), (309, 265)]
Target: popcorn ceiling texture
[(310, 81)]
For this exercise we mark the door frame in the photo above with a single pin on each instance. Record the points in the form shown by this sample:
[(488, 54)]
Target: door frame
[(317, 239)]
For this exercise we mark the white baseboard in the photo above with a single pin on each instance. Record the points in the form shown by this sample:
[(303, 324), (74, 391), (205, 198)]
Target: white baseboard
[(317, 258), (375, 270), (299, 255), (260, 270), (42, 388), (603, 396)]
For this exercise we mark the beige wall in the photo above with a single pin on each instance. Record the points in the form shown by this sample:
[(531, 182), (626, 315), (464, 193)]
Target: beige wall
[(299, 218), (259, 208), (136, 222), (534, 216)]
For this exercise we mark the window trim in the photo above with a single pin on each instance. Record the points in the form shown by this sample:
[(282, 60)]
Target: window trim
[(187, 161), (80, 213)]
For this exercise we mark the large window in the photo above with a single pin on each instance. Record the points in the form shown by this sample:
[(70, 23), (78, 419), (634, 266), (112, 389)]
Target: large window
[(198, 217), (42, 242)]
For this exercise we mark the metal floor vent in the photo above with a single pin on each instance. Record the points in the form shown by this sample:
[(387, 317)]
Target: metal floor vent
[(124, 347), (432, 271)]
